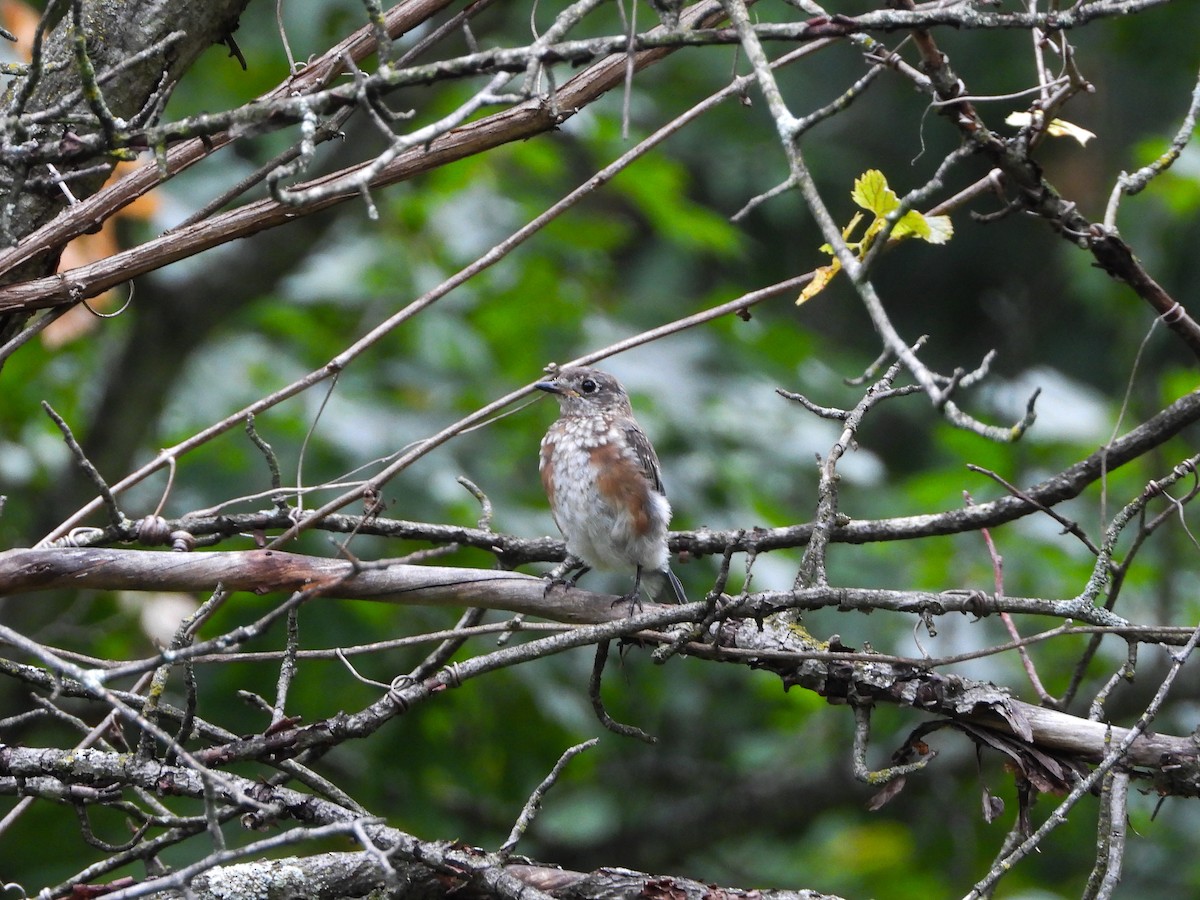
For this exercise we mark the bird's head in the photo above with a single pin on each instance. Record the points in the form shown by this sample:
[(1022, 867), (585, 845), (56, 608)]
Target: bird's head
[(582, 391)]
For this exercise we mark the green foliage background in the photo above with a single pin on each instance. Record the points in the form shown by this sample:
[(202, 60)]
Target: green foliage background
[(747, 786)]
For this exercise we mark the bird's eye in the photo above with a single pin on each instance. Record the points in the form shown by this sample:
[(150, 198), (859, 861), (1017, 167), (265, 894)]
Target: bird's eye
[(588, 386)]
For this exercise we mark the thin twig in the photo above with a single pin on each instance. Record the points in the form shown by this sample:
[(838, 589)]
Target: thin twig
[(1005, 863), (862, 735), (1007, 619), (525, 819), (1069, 526), (1132, 184), (598, 703), (287, 668), (115, 516)]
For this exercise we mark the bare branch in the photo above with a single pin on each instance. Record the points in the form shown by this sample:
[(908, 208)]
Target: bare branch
[(525, 819)]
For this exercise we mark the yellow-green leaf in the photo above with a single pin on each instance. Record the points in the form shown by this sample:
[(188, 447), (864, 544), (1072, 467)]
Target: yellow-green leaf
[(871, 192), (846, 232), (1056, 128), (821, 278), (868, 237), (911, 224), (849, 229), (941, 229), (1063, 128)]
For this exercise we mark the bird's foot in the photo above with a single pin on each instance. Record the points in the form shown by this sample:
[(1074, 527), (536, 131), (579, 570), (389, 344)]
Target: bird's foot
[(553, 581), (556, 577), (633, 598)]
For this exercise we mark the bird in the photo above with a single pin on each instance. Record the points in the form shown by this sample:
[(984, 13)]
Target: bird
[(603, 482)]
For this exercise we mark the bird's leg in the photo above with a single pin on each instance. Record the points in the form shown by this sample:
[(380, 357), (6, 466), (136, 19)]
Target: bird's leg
[(557, 577), (634, 597)]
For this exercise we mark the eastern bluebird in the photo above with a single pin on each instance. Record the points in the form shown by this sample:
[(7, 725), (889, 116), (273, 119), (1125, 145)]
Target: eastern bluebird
[(602, 478)]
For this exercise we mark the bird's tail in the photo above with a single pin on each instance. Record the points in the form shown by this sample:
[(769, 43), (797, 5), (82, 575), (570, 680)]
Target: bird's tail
[(656, 584)]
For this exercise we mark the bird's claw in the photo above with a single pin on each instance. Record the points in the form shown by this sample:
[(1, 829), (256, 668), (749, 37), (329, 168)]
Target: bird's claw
[(633, 598), (556, 581)]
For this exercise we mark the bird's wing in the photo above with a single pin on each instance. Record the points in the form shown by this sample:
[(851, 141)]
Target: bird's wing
[(645, 456), (546, 470)]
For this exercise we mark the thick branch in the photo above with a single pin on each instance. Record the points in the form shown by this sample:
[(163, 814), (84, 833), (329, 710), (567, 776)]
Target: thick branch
[(354, 874), (1173, 762), (272, 570), (754, 638)]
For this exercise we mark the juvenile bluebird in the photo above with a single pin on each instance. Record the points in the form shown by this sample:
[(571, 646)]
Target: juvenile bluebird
[(602, 478)]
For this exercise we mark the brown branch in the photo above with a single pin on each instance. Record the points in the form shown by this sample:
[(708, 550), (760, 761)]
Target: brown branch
[(23, 571), (516, 124), (94, 210), (1174, 762), (134, 87), (271, 570), (753, 637), (1117, 259)]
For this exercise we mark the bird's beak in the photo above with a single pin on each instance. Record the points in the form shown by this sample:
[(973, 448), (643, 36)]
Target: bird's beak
[(553, 387)]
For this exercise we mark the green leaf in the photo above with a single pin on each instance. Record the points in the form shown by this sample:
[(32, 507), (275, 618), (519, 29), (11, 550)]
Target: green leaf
[(872, 193), (912, 224), (934, 229)]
